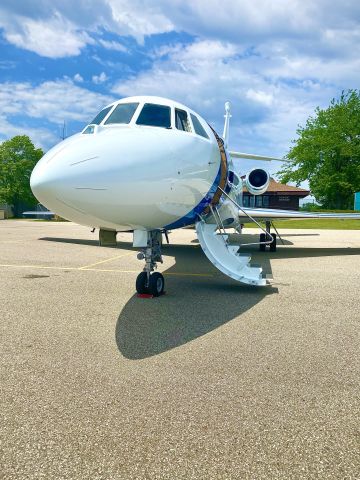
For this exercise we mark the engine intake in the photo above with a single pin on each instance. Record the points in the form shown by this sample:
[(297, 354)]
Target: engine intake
[(257, 181)]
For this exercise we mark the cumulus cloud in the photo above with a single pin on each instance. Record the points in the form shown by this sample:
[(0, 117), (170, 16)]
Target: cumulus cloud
[(321, 29), (266, 107), (54, 37), (55, 101), (78, 78), (275, 61), (56, 29), (41, 137), (51, 102), (112, 45), (99, 78)]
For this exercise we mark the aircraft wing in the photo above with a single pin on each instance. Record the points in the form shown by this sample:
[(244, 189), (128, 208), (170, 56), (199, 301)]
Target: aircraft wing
[(251, 156), (272, 214)]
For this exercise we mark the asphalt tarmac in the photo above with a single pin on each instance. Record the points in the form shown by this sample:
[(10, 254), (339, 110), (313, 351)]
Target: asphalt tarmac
[(214, 380)]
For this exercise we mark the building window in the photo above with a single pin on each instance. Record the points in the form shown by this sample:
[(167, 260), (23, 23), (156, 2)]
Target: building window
[(266, 201)]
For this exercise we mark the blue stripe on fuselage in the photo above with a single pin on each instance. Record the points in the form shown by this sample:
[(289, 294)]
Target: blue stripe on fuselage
[(191, 217)]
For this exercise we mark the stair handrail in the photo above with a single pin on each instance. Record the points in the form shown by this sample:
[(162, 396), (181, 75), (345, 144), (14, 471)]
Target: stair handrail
[(267, 234)]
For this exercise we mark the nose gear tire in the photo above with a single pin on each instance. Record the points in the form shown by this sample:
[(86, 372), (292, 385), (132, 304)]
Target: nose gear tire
[(141, 281), (156, 284)]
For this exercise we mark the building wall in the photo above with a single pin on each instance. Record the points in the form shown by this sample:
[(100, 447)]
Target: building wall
[(284, 202), (268, 200), (7, 209)]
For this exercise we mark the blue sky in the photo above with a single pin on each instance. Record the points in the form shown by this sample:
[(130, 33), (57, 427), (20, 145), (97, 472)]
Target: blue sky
[(275, 61)]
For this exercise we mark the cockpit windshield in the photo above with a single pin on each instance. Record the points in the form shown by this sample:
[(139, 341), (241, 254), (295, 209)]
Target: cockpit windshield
[(100, 116), (155, 116), (123, 113)]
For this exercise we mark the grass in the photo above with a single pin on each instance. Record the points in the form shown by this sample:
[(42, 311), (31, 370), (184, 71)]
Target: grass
[(314, 223)]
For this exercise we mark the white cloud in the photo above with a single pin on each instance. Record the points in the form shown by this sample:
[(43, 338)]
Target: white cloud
[(119, 47), (99, 78), (139, 18), (267, 105), (55, 37), (57, 29), (78, 78), (275, 61), (53, 102), (260, 96), (41, 137)]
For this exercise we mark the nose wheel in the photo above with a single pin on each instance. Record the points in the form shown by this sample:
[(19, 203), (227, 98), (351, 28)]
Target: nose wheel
[(153, 286)]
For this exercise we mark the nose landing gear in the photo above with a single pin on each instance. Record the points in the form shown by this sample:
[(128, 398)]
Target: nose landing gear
[(148, 281)]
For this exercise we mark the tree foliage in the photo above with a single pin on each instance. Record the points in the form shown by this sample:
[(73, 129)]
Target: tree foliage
[(327, 153), (18, 157)]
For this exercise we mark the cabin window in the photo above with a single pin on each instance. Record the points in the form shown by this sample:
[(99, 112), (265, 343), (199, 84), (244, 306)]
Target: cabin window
[(182, 120), (199, 129), (100, 116), (123, 113), (155, 116)]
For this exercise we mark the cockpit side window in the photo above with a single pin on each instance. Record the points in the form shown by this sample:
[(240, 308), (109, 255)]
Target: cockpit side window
[(155, 116), (182, 120), (123, 113), (199, 129), (100, 116)]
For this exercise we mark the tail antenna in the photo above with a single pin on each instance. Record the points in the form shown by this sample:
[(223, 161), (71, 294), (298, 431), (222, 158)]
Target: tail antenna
[(227, 117)]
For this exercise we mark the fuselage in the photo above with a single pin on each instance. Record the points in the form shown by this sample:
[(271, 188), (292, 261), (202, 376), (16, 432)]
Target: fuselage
[(135, 168)]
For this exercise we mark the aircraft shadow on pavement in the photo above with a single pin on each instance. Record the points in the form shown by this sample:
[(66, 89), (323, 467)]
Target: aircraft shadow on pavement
[(304, 252), (261, 258), (193, 306)]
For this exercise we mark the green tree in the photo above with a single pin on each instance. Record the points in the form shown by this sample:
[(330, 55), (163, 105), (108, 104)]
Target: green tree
[(327, 153), (18, 156)]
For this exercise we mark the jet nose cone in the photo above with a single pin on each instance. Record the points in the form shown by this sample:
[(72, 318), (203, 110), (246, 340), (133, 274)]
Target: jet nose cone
[(40, 183), (47, 184)]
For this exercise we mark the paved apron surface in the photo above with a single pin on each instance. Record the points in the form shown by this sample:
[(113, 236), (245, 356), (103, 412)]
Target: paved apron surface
[(214, 380)]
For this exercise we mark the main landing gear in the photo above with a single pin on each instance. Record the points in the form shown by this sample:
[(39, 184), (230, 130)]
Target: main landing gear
[(148, 281), (265, 238)]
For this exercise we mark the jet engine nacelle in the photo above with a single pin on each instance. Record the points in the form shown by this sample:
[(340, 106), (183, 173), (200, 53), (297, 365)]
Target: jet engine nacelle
[(257, 181)]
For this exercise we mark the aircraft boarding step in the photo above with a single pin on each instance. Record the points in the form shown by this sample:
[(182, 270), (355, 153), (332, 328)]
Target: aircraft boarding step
[(225, 257)]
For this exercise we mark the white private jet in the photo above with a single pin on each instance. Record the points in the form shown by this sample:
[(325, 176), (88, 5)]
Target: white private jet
[(149, 165)]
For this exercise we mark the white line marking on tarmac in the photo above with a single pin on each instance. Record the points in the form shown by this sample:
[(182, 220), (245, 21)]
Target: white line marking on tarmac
[(86, 267)]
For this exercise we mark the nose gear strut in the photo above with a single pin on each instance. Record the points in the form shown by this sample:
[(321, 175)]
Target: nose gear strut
[(148, 281)]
